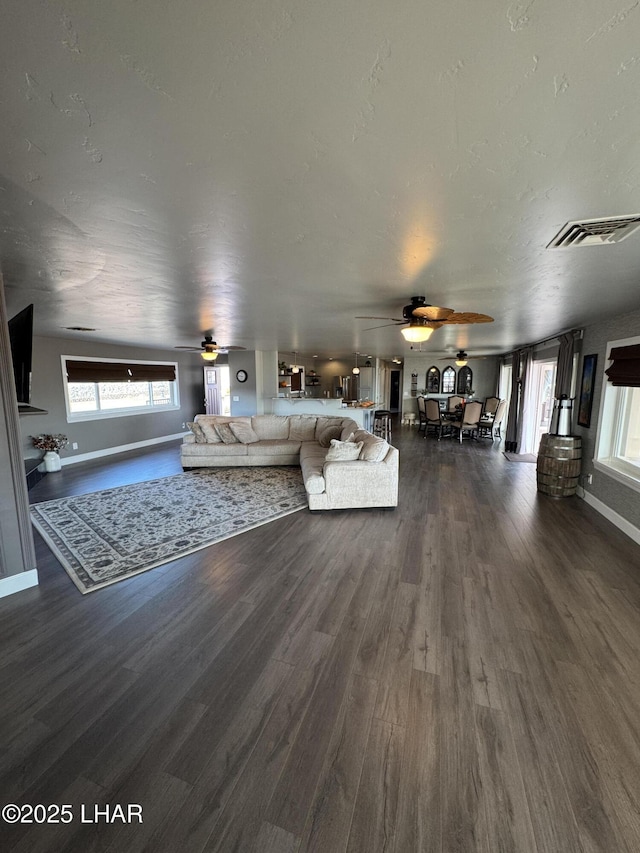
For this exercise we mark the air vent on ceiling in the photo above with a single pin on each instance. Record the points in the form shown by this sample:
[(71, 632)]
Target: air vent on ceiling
[(595, 232)]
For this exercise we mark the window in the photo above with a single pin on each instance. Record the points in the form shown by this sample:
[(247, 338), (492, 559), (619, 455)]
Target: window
[(107, 388), (448, 380), (618, 443)]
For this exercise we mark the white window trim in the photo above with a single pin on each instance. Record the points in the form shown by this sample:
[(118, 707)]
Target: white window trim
[(78, 417), (609, 425)]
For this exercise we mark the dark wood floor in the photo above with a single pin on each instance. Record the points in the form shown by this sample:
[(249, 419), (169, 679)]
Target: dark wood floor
[(458, 675)]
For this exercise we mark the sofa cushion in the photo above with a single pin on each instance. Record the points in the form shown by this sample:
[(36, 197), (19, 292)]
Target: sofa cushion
[(374, 448), (302, 427), (332, 431), (343, 451), (243, 431), (227, 436), (270, 426), (197, 431), (214, 450), (274, 447)]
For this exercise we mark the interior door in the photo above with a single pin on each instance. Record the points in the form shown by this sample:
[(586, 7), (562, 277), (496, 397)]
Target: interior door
[(212, 392)]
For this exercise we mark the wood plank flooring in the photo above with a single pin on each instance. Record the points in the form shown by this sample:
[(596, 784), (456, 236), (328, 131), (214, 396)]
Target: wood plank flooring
[(459, 676)]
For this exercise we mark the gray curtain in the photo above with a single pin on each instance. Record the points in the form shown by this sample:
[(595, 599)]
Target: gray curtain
[(565, 365), (519, 372), (525, 360), (512, 418)]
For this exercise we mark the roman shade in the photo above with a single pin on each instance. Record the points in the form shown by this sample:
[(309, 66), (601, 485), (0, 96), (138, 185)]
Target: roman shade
[(118, 371), (625, 369)]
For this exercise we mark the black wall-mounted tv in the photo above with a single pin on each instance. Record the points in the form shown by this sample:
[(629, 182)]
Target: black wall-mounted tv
[(21, 335)]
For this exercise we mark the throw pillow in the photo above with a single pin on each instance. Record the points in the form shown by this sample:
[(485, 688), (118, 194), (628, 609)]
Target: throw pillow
[(302, 428), (374, 448), (324, 439), (209, 430), (196, 429), (244, 432), (343, 451), (226, 434)]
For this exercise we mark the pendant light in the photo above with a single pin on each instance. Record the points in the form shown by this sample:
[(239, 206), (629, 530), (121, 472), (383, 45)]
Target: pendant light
[(356, 370), (295, 368)]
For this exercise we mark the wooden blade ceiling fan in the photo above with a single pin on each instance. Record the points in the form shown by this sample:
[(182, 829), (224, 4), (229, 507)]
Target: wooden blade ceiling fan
[(209, 349), (421, 319)]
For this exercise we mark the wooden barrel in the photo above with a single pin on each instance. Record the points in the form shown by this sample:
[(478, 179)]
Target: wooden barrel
[(559, 464)]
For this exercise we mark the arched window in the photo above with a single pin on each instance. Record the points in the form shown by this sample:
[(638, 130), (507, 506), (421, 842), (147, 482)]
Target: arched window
[(448, 380), (465, 381), (433, 380)]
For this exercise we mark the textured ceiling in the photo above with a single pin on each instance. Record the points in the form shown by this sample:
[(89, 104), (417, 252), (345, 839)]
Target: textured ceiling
[(269, 170)]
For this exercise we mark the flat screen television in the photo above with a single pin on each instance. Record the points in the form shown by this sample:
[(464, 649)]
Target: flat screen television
[(21, 336)]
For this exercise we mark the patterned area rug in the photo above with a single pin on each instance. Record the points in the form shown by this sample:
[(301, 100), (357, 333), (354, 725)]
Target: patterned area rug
[(107, 536)]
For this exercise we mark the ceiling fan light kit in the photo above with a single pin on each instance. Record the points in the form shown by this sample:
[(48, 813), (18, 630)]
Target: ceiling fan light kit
[(418, 331)]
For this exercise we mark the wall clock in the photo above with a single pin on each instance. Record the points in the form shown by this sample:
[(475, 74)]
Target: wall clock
[(241, 376)]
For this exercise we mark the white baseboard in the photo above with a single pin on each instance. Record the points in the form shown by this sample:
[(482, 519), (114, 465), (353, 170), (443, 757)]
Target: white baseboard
[(611, 515), (109, 451), (16, 583)]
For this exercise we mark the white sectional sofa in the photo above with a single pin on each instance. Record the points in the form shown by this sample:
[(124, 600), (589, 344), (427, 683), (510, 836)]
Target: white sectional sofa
[(316, 444)]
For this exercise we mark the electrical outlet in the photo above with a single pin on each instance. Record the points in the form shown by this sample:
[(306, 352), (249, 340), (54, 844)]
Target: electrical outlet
[(184, 425), (74, 446), (589, 478)]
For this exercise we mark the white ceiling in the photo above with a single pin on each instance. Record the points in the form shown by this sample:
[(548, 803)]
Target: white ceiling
[(269, 169)]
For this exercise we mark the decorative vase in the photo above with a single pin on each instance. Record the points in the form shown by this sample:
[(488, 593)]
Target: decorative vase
[(51, 461)]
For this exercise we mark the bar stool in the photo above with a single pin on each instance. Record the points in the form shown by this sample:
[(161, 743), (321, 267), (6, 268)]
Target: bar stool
[(382, 424)]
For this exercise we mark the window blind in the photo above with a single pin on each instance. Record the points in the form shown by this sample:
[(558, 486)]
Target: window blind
[(625, 369), (118, 371)]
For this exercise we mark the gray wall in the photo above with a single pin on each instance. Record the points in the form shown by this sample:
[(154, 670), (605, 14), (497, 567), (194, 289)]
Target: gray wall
[(47, 393), (617, 496)]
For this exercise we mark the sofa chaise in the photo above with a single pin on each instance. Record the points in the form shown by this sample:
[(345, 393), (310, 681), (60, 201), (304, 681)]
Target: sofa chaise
[(343, 466)]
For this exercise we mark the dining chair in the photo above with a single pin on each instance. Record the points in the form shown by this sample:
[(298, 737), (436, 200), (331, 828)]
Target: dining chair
[(490, 406), (434, 419), (470, 421), (454, 401), (422, 416), (499, 417), (489, 426)]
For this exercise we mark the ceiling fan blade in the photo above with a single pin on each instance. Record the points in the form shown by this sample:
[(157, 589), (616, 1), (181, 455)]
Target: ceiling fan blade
[(395, 319), (189, 349), (432, 312), (466, 318), (386, 325)]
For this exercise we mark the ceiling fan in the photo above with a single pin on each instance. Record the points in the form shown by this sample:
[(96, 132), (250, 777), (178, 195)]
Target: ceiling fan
[(422, 319), (209, 349), (461, 358)]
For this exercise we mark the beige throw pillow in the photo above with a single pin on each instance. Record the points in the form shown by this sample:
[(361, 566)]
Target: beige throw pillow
[(226, 434), (334, 431), (196, 429), (343, 451), (209, 430), (244, 432), (374, 448)]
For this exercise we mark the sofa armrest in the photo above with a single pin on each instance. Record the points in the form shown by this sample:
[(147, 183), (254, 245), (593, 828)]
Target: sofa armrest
[(189, 438), (361, 483)]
